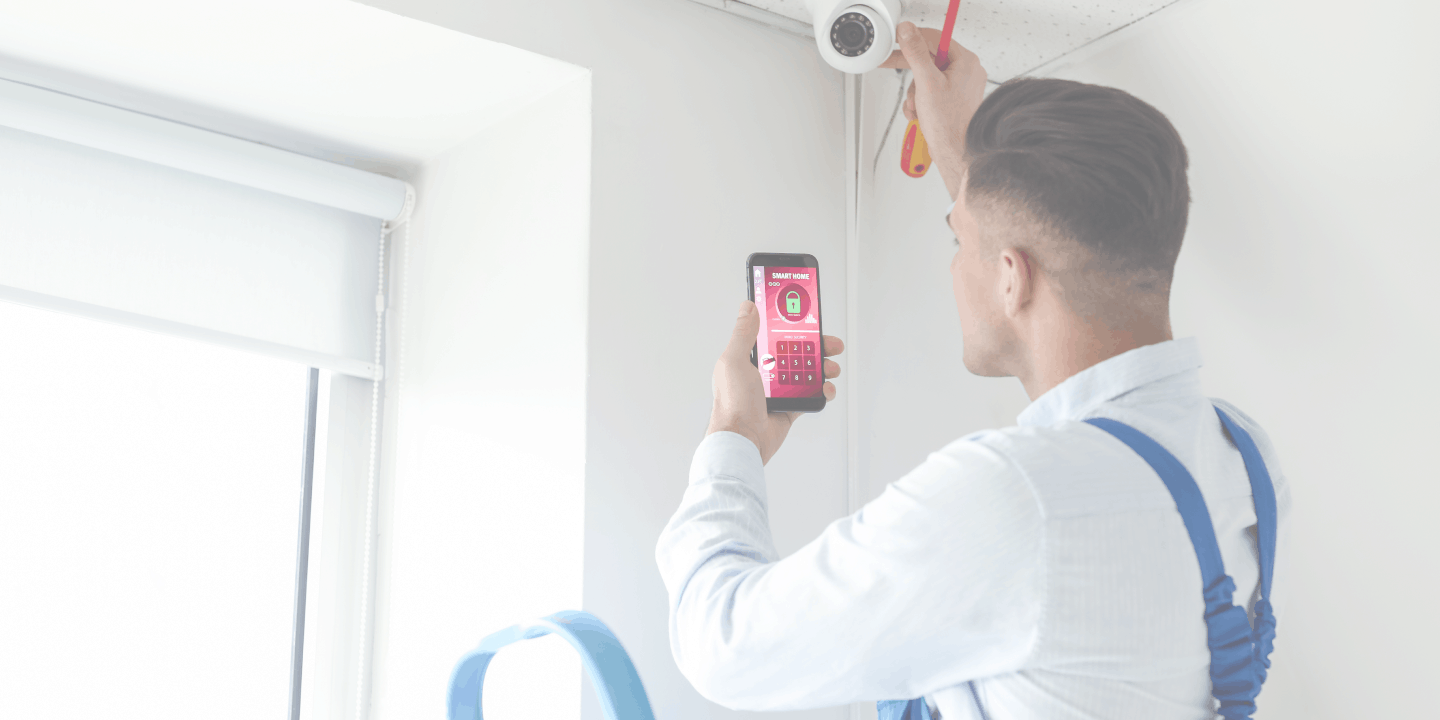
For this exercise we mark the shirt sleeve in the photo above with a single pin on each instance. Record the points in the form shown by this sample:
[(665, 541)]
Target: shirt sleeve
[(936, 582)]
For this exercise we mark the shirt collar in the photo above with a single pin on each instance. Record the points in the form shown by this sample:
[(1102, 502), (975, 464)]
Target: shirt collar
[(1086, 390)]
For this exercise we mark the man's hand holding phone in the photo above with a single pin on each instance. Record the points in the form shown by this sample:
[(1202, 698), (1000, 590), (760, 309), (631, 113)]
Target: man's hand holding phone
[(739, 405)]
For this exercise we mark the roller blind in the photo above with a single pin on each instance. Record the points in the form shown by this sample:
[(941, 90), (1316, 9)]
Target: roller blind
[(94, 232)]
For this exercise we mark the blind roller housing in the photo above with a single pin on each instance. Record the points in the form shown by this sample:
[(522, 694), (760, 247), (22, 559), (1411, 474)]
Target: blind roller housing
[(85, 226), (182, 147)]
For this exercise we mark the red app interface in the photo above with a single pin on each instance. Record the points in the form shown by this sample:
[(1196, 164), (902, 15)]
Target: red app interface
[(788, 348)]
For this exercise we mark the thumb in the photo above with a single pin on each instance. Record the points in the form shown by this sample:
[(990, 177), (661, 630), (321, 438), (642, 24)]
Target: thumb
[(747, 327), (917, 54)]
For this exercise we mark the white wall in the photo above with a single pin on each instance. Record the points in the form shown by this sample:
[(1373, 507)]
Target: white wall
[(713, 137), (1306, 275), (482, 502)]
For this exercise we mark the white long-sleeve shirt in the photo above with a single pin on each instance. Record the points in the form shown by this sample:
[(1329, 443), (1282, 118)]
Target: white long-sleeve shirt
[(1045, 562)]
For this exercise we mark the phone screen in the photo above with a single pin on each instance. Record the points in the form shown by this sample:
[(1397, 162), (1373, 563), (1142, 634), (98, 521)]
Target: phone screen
[(788, 348)]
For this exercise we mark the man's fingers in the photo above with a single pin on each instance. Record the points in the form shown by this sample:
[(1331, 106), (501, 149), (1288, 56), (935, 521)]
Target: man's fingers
[(897, 59), (963, 62), (910, 102), (747, 328), (957, 52), (829, 390), (832, 369), (917, 54), (831, 345)]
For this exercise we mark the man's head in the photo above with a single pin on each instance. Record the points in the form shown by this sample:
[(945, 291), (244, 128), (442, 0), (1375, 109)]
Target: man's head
[(1071, 213)]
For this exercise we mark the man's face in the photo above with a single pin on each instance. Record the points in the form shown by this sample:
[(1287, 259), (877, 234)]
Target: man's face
[(976, 272)]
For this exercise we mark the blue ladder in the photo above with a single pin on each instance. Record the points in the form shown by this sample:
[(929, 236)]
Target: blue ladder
[(616, 682)]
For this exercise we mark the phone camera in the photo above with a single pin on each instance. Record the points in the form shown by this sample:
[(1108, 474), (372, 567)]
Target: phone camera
[(852, 34)]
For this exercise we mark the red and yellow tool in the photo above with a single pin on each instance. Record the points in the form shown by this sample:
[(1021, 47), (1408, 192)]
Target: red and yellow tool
[(914, 152)]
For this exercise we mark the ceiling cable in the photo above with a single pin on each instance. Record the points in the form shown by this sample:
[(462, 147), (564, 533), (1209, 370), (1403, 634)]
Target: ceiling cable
[(899, 100)]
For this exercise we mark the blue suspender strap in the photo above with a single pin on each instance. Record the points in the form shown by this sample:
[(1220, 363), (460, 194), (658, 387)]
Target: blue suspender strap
[(917, 709), (902, 709), (1266, 521), (1238, 656)]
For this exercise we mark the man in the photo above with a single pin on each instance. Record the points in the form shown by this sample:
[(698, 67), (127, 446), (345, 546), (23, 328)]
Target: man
[(1037, 571)]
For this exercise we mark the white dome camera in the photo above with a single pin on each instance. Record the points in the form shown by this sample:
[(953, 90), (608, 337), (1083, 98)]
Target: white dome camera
[(855, 36)]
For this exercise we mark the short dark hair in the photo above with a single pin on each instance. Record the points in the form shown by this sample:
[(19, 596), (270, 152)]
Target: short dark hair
[(1093, 163)]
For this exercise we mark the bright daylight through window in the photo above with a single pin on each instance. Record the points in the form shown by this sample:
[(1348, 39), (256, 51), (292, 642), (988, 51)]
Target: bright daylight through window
[(148, 524)]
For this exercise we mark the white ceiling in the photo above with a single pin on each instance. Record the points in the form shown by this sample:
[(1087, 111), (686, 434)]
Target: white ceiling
[(1012, 37), (328, 78)]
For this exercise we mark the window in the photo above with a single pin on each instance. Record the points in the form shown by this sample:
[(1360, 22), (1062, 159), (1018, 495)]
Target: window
[(150, 493)]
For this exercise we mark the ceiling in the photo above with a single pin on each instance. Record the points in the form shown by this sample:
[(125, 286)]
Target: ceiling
[(328, 78), (1012, 37), (365, 76)]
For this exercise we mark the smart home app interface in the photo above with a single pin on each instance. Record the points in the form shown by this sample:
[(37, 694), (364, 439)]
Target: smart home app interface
[(788, 347)]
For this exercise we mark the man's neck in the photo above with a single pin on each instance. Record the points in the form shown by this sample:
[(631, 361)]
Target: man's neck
[(1065, 348)]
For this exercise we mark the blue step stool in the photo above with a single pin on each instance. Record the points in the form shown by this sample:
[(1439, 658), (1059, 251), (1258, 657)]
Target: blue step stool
[(611, 672)]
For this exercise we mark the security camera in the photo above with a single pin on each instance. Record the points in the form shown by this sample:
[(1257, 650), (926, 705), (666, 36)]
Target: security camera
[(855, 37)]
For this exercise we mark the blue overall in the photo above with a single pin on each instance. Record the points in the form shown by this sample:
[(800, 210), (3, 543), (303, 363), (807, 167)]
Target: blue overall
[(1239, 655)]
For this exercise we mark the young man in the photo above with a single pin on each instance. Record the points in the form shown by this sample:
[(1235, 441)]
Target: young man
[(1037, 571)]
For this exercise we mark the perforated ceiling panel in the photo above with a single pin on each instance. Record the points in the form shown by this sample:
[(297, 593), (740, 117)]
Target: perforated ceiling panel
[(1012, 37)]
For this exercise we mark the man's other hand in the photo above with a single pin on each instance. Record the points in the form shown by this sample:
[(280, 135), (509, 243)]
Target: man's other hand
[(740, 393), (945, 101)]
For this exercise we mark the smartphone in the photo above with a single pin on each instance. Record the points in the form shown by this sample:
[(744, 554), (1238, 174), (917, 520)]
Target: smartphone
[(786, 289)]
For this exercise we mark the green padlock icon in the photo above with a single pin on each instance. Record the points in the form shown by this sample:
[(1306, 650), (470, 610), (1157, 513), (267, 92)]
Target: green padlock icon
[(792, 304)]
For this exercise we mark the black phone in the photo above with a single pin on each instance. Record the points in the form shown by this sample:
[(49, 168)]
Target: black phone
[(785, 287)]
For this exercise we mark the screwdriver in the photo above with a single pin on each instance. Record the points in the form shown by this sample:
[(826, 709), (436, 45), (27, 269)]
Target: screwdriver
[(914, 152)]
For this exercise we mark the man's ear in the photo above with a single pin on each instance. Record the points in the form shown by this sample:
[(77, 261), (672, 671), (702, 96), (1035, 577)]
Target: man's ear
[(1017, 280)]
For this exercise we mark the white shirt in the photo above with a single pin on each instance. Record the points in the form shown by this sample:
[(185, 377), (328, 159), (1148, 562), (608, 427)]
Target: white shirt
[(1045, 562)]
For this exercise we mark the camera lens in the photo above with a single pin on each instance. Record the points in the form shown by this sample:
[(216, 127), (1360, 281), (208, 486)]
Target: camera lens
[(852, 34)]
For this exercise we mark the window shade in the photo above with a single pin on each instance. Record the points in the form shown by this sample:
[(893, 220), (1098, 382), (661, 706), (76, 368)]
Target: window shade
[(97, 233)]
